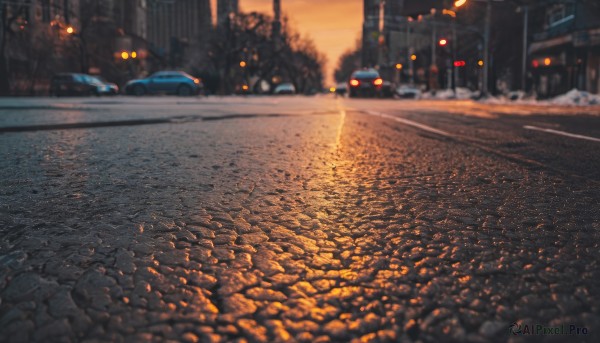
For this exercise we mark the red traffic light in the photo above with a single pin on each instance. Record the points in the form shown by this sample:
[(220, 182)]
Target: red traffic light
[(443, 42), (460, 63)]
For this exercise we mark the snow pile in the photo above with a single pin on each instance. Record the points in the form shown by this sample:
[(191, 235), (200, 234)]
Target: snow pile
[(446, 94), (576, 97), (465, 93), (408, 92), (572, 98)]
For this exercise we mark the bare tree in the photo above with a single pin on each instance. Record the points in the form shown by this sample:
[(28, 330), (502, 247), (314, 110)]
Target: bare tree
[(243, 50)]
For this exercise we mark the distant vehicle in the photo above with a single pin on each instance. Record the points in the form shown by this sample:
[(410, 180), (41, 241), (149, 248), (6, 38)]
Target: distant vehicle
[(285, 88), (168, 82), (341, 89), (73, 84), (408, 92), (365, 83), (106, 87)]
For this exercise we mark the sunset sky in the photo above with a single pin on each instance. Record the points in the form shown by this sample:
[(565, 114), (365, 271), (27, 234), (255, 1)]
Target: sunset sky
[(334, 25)]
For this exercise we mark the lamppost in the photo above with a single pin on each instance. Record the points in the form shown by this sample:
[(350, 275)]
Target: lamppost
[(70, 30), (486, 42)]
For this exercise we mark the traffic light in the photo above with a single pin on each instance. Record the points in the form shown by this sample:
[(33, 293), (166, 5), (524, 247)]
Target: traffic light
[(460, 63)]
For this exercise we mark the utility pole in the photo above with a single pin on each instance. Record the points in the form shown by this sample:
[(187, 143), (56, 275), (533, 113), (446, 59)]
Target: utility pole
[(277, 22), (4, 74), (433, 42), (381, 38), (486, 47), (433, 69), (525, 45), (454, 57), (409, 52)]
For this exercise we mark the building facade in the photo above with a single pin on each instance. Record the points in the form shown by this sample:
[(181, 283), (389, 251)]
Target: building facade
[(371, 33), (172, 26), (35, 40), (390, 39), (224, 8), (565, 49)]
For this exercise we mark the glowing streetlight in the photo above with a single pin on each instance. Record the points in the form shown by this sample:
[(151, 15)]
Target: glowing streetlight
[(70, 30), (399, 66), (459, 3), (480, 63), (413, 57), (125, 55), (133, 54), (443, 42), (547, 61), (243, 64)]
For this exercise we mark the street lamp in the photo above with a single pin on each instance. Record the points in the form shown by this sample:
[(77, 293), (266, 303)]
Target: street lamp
[(70, 30), (397, 74)]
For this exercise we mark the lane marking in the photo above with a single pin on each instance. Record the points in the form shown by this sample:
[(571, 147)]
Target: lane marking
[(516, 158), (410, 123), (561, 133)]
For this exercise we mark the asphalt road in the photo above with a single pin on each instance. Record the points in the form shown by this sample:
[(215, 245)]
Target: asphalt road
[(298, 219)]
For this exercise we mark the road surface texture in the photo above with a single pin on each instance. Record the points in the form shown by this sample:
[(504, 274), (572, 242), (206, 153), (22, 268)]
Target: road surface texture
[(297, 219)]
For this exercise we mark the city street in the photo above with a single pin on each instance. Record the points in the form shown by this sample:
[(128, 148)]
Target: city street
[(298, 219)]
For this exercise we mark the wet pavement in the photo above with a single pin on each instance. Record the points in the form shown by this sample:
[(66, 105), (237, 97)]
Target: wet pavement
[(296, 220)]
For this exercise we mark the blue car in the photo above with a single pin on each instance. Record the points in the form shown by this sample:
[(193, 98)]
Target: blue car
[(165, 82)]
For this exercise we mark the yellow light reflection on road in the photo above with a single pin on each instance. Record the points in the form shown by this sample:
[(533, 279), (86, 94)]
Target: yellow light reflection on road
[(338, 138)]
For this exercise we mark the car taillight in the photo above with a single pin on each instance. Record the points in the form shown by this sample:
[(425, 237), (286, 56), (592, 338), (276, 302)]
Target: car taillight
[(354, 83), (378, 82), (197, 81)]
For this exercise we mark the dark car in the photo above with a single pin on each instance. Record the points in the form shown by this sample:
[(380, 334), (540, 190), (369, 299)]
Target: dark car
[(166, 82), (72, 84), (106, 88), (365, 83)]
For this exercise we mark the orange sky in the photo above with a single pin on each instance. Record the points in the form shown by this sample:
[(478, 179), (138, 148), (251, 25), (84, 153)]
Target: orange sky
[(334, 25)]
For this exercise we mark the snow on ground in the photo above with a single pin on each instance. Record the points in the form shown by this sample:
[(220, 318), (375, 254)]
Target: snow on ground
[(574, 97), (446, 94)]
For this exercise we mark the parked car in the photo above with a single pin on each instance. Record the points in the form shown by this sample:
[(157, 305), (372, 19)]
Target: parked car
[(365, 83), (106, 88), (167, 82), (285, 88), (341, 89), (73, 84)]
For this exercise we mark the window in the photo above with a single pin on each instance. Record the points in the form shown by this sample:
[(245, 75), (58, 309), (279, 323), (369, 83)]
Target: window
[(559, 14), (46, 10)]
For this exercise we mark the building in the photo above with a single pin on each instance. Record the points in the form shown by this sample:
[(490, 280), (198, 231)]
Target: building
[(565, 50), (174, 25), (371, 33), (224, 8), (35, 36), (389, 38)]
